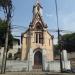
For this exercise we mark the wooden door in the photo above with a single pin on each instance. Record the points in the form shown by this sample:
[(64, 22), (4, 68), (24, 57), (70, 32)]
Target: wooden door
[(38, 58)]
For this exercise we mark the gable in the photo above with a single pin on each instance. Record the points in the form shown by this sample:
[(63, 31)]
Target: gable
[(37, 21), (50, 35)]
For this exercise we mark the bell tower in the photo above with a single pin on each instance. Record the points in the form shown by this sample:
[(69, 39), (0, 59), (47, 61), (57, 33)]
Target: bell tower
[(37, 8)]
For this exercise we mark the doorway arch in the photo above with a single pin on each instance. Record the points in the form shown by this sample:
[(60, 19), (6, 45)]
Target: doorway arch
[(38, 58)]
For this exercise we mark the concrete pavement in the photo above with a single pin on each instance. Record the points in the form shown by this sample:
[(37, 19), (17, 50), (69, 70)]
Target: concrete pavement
[(36, 73)]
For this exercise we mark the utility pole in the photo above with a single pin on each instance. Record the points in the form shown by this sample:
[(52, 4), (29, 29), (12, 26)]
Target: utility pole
[(59, 40), (7, 7), (60, 49)]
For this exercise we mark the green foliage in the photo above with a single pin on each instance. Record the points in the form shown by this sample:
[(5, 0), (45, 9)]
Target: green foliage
[(56, 50), (3, 29), (69, 42)]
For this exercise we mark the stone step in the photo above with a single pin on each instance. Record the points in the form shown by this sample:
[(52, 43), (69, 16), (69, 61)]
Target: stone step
[(37, 70), (37, 67)]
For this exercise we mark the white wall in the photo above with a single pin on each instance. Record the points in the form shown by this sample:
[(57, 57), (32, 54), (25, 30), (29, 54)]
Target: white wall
[(54, 66), (14, 65)]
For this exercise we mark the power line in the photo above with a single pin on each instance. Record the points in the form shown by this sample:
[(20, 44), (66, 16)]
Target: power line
[(21, 28)]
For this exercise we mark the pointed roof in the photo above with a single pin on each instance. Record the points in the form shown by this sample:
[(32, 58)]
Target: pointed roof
[(37, 14), (37, 7), (38, 3), (38, 18)]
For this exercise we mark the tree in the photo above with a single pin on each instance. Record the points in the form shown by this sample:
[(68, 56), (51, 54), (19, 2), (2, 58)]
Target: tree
[(68, 42), (3, 28), (6, 5)]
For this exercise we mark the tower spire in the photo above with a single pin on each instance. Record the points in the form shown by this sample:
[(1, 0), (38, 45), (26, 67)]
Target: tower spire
[(37, 1), (37, 8)]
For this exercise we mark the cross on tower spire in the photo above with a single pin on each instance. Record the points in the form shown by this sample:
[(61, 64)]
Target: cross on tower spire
[(37, 1)]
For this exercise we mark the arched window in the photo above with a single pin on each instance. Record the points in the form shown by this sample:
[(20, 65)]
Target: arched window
[(39, 33), (36, 37), (39, 37), (49, 41), (38, 26)]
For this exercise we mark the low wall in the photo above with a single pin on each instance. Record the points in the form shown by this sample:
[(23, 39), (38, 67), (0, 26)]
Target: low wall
[(22, 66), (54, 66), (66, 65), (15, 65)]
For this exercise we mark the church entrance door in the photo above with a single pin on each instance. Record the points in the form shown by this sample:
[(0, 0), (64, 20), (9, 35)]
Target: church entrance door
[(38, 58)]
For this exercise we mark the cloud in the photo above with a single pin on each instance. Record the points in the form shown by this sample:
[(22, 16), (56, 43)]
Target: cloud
[(68, 21), (55, 41), (49, 15)]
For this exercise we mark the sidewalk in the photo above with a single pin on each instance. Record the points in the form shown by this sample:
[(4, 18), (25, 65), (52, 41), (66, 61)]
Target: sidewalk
[(36, 73)]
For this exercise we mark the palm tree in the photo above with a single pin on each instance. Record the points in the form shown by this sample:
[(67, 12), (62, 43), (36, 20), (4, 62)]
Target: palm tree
[(6, 6)]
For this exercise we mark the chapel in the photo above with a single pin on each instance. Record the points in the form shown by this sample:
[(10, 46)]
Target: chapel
[(37, 42)]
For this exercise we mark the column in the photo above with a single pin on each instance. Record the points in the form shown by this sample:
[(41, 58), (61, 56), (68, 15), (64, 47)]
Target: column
[(66, 63), (44, 60), (64, 55), (30, 60)]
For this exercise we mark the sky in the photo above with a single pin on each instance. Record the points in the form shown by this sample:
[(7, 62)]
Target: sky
[(22, 14)]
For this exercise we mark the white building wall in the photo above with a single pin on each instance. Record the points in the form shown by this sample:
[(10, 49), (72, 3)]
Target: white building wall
[(14, 50)]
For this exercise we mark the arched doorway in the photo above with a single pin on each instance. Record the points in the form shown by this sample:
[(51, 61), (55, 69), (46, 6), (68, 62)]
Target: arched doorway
[(38, 58)]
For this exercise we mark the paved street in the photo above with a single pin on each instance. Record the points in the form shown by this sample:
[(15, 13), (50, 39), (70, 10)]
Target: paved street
[(36, 73)]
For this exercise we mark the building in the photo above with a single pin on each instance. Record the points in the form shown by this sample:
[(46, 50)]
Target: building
[(14, 50), (37, 42)]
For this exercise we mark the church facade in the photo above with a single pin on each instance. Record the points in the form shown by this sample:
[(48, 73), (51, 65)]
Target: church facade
[(37, 42)]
